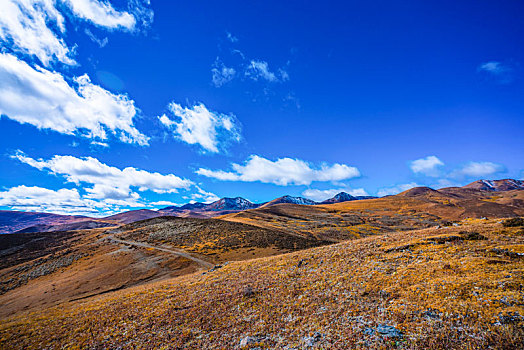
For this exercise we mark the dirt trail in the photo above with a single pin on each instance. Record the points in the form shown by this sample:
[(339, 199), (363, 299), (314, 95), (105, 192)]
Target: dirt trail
[(175, 251)]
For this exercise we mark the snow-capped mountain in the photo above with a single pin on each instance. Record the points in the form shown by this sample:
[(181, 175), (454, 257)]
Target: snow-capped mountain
[(237, 203), (340, 197), (497, 185), (290, 199)]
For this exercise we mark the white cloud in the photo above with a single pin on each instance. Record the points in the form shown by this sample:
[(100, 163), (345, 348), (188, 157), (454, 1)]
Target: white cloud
[(321, 195), (283, 171), (231, 37), (163, 204), (101, 13), (46, 100), (503, 73), (62, 201), (222, 74), (203, 196), (198, 125), (479, 169), (108, 183), (37, 27), (24, 24), (396, 189), (492, 67), (260, 70), (427, 166)]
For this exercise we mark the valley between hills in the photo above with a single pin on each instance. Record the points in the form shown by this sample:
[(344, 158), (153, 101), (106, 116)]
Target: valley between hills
[(423, 269)]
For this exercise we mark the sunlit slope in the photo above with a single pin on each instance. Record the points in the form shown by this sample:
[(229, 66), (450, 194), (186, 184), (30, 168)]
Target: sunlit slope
[(416, 208), (455, 287)]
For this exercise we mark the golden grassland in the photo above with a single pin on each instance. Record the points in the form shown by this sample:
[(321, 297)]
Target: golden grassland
[(449, 288)]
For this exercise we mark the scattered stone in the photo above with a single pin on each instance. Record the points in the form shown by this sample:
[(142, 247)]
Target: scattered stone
[(369, 331), (389, 331), (311, 341), (247, 341), (431, 314), (248, 292), (384, 295), (507, 253), (214, 268)]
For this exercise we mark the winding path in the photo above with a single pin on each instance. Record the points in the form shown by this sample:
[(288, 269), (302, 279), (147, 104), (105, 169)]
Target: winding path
[(174, 251)]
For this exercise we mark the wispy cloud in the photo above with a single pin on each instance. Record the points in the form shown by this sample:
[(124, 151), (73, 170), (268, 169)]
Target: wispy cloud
[(283, 172), (260, 70), (100, 42), (231, 37), (501, 72), (222, 74), (196, 125)]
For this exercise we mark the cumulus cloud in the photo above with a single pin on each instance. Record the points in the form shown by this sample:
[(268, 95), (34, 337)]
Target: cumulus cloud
[(260, 70), (283, 171), (396, 189), (321, 195), (197, 125), (107, 182), (427, 166), (222, 74), (479, 169), (45, 99), (503, 73)]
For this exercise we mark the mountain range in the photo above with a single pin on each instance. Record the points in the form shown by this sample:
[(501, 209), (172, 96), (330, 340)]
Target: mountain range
[(16, 221)]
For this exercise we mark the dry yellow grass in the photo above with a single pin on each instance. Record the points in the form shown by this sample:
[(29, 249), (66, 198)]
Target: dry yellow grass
[(450, 288)]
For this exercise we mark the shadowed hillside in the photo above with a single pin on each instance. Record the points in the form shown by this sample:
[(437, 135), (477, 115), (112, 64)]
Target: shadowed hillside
[(41, 269)]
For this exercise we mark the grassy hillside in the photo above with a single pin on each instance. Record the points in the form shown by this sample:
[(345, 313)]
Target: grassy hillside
[(454, 287), (416, 208)]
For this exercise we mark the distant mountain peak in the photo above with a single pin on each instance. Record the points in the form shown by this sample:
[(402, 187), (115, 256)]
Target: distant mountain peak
[(340, 197), (227, 203), (497, 185)]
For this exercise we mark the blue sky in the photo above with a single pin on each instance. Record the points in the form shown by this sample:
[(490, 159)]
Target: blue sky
[(107, 106)]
